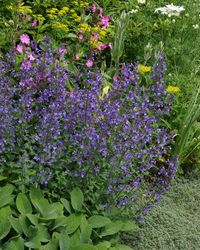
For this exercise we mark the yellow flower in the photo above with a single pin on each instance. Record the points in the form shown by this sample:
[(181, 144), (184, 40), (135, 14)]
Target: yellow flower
[(143, 68), (171, 89), (104, 92)]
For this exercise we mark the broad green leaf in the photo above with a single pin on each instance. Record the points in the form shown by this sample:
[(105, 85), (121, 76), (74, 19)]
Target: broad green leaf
[(6, 196), (103, 245), (60, 222), (98, 221), (77, 199), (84, 247), (128, 226), (15, 244), (33, 219), (66, 204), (112, 228), (23, 204), (86, 231), (5, 225), (64, 241), (52, 245), (53, 211), (75, 238), (2, 177), (72, 223), (24, 224), (16, 225), (121, 247), (38, 200)]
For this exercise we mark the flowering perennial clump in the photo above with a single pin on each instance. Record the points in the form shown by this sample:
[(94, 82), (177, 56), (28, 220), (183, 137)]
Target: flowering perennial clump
[(107, 136), (170, 10)]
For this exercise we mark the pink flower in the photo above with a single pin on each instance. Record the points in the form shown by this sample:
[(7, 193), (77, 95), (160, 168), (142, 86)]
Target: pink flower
[(25, 39), (96, 36), (31, 57), (93, 8), (20, 48), (80, 36), (100, 12), (110, 45), (101, 46), (34, 24), (115, 78), (89, 63), (105, 21)]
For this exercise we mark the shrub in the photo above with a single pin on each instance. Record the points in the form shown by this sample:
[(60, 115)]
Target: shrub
[(104, 139)]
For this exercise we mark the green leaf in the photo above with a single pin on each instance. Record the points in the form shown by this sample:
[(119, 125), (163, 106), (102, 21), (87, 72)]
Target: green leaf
[(112, 228), (5, 195), (98, 221), (15, 244), (84, 247), (103, 245), (38, 200), (2, 177), (53, 211), (33, 219), (86, 231), (15, 223), (60, 222), (23, 204), (128, 226), (5, 225), (52, 245), (77, 199), (121, 247), (66, 204), (72, 223), (71, 35), (64, 241), (75, 238), (24, 224)]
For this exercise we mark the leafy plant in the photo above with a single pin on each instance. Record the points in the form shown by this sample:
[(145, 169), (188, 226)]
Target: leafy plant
[(31, 222)]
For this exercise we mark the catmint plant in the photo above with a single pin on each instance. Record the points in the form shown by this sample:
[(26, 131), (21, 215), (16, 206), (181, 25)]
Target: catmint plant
[(110, 145)]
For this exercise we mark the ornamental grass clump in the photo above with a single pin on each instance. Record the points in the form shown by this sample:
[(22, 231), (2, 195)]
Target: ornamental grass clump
[(110, 145)]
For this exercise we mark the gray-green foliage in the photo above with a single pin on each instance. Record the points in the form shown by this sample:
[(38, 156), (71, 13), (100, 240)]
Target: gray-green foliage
[(175, 225), (32, 222)]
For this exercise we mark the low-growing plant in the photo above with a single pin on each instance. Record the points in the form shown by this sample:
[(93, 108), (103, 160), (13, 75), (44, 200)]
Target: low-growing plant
[(31, 222)]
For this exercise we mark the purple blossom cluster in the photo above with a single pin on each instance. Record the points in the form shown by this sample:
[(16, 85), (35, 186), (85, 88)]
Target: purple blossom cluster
[(113, 141)]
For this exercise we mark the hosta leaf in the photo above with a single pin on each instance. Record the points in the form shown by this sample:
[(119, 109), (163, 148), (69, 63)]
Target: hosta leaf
[(38, 200), (72, 223), (15, 244), (84, 247), (77, 199), (86, 231), (33, 219), (121, 247), (98, 221), (60, 222), (64, 241), (66, 204), (128, 226), (53, 211), (52, 245), (5, 225), (16, 225), (23, 204), (103, 245), (6, 196), (112, 228), (24, 224)]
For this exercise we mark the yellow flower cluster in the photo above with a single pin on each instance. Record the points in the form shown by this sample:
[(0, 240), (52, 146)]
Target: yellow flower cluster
[(143, 68), (24, 9), (60, 26), (172, 90)]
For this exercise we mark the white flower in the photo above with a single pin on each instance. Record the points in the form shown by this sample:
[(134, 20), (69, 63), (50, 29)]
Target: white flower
[(195, 26), (133, 11), (170, 10), (142, 1)]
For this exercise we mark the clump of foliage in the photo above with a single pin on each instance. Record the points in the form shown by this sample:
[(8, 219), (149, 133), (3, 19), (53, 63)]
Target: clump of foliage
[(65, 131), (31, 222)]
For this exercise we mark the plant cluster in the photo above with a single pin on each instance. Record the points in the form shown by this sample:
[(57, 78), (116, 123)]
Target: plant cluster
[(109, 143)]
